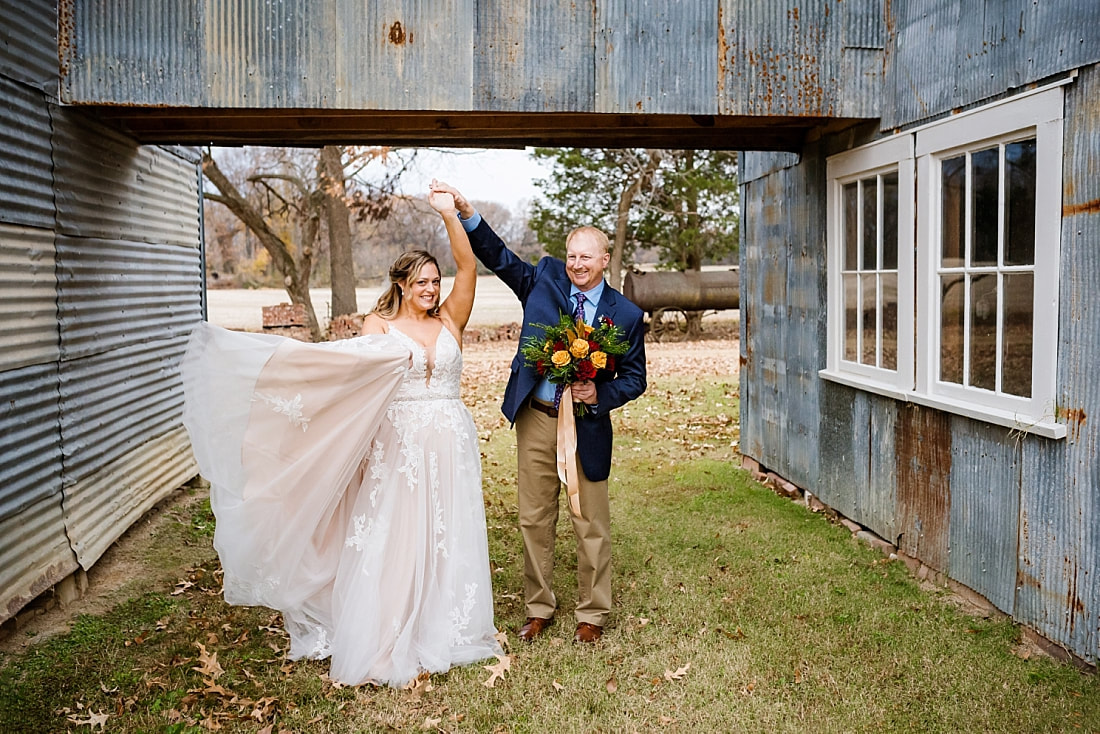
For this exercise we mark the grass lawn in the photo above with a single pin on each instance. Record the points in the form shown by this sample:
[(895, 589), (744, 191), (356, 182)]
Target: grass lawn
[(735, 610)]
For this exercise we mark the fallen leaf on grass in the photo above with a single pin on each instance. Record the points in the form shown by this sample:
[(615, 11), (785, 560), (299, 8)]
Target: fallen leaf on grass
[(678, 675), (419, 685), (748, 689), (504, 662), (93, 720), (558, 686), (181, 587), (612, 684), (210, 665), (666, 720), (502, 639), (430, 723)]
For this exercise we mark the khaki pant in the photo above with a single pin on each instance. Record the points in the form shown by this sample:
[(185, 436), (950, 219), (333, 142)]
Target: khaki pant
[(538, 491)]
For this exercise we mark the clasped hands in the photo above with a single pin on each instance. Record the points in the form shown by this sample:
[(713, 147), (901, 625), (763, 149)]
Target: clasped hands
[(584, 392)]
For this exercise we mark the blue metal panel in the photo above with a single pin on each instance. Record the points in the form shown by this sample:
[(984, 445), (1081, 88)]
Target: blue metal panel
[(845, 449), (26, 183), (407, 55), (113, 402), (985, 509), (28, 43), (115, 294), (750, 258), (149, 50), (805, 326), (799, 59), (531, 56), (945, 54), (34, 551), (110, 187), (30, 450), (1058, 589), (657, 56)]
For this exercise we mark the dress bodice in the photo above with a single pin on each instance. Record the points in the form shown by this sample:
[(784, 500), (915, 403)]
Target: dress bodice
[(439, 378)]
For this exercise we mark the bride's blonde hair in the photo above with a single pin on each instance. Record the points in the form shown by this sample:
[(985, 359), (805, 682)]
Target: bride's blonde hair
[(405, 268)]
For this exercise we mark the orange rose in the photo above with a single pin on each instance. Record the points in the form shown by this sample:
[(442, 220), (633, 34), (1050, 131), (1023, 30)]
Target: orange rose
[(599, 359), (579, 348), (560, 359)]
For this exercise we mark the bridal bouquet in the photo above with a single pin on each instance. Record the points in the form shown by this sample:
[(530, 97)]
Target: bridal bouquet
[(573, 351)]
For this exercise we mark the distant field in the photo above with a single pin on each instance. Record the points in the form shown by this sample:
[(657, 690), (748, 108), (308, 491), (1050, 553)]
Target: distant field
[(494, 304)]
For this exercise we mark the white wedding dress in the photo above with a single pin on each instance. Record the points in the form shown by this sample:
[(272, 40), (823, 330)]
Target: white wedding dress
[(346, 482)]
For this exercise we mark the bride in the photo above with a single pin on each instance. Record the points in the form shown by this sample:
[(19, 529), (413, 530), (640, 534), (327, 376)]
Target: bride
[(346, 478)]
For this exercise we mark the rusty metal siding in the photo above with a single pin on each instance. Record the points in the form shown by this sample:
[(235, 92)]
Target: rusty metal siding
[(534, 56), (923, 455), (1058, 589), (34, 550), (115, 294), (28, 297), (808, 59), (657, 56), (28, 43), (805, 322), (938, 59), (110, 187), (101, 506), (985, 510), (114, 401), (26, 183)]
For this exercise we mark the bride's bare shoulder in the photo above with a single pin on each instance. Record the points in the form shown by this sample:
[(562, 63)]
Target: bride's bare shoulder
[(374, 324)]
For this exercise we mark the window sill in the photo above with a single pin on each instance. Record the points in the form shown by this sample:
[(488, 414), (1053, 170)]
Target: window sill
[(1046, 428)]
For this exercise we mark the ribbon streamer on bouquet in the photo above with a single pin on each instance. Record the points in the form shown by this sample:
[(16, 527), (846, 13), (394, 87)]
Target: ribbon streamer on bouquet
[(567, 452)]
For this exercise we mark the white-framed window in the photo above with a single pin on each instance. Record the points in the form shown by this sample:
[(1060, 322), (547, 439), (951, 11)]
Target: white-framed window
[(870, 263), (977, 279)]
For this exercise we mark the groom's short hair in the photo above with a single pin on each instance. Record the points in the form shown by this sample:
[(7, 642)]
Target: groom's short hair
[(601, 237)]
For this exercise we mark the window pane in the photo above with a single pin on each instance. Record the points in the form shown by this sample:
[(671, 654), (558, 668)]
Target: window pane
[(851, 233), (983, 331), (984, 180), (954, 211), (1020, 203), (870, 224), (889, 322), (951, 328), (890, 221), (1018, 324), (851, 313), (870, 322)]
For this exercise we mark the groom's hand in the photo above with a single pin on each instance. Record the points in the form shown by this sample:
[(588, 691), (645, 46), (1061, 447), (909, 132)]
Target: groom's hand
[(461, 204), (584, 392)]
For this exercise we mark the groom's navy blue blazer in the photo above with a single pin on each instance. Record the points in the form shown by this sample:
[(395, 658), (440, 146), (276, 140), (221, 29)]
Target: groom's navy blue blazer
[(543, 290)]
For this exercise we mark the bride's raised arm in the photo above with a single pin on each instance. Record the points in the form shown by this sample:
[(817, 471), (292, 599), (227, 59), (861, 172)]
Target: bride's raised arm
[(460, 302)]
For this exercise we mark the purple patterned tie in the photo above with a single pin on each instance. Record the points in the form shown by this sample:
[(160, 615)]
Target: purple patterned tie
[(578, 315)]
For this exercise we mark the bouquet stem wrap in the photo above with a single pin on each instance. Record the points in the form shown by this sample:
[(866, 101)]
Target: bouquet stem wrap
[(568, 471)]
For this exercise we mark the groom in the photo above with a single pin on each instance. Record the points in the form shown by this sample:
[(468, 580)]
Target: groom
[(546, 291)]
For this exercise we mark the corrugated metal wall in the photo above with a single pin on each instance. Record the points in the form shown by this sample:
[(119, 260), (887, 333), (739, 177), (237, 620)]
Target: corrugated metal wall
[(946, 54), (732, 57), (100, 282), (1014, 517)]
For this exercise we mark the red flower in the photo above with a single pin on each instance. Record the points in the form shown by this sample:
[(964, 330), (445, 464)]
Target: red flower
[(559, 346), (610, 363), (593, 346), (540, 366), (607, 321), (586, 370)]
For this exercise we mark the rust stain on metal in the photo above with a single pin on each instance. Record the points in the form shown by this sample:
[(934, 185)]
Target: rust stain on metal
[(397, 34), (1088, 207), (1075, 418), (923, 440)]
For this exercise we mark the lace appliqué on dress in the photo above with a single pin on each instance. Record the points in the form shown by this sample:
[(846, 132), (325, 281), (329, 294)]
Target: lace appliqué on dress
[(290, 407), (460, 618)]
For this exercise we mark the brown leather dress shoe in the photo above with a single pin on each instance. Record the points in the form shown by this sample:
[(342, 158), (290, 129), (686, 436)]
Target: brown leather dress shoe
[(588, 633), (534, 627)]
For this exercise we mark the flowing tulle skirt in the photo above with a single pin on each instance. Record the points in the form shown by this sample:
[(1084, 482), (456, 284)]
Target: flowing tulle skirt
[(345, 500)]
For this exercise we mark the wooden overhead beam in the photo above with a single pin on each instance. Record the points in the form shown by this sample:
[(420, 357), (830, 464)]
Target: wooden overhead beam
[(201, 126)]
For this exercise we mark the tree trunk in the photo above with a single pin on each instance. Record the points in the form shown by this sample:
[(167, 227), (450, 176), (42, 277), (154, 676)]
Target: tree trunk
[(295, 274), (626, 200), (342, 269)]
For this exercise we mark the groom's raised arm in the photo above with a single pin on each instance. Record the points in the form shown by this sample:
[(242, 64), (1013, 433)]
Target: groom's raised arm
[(495, 255)]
